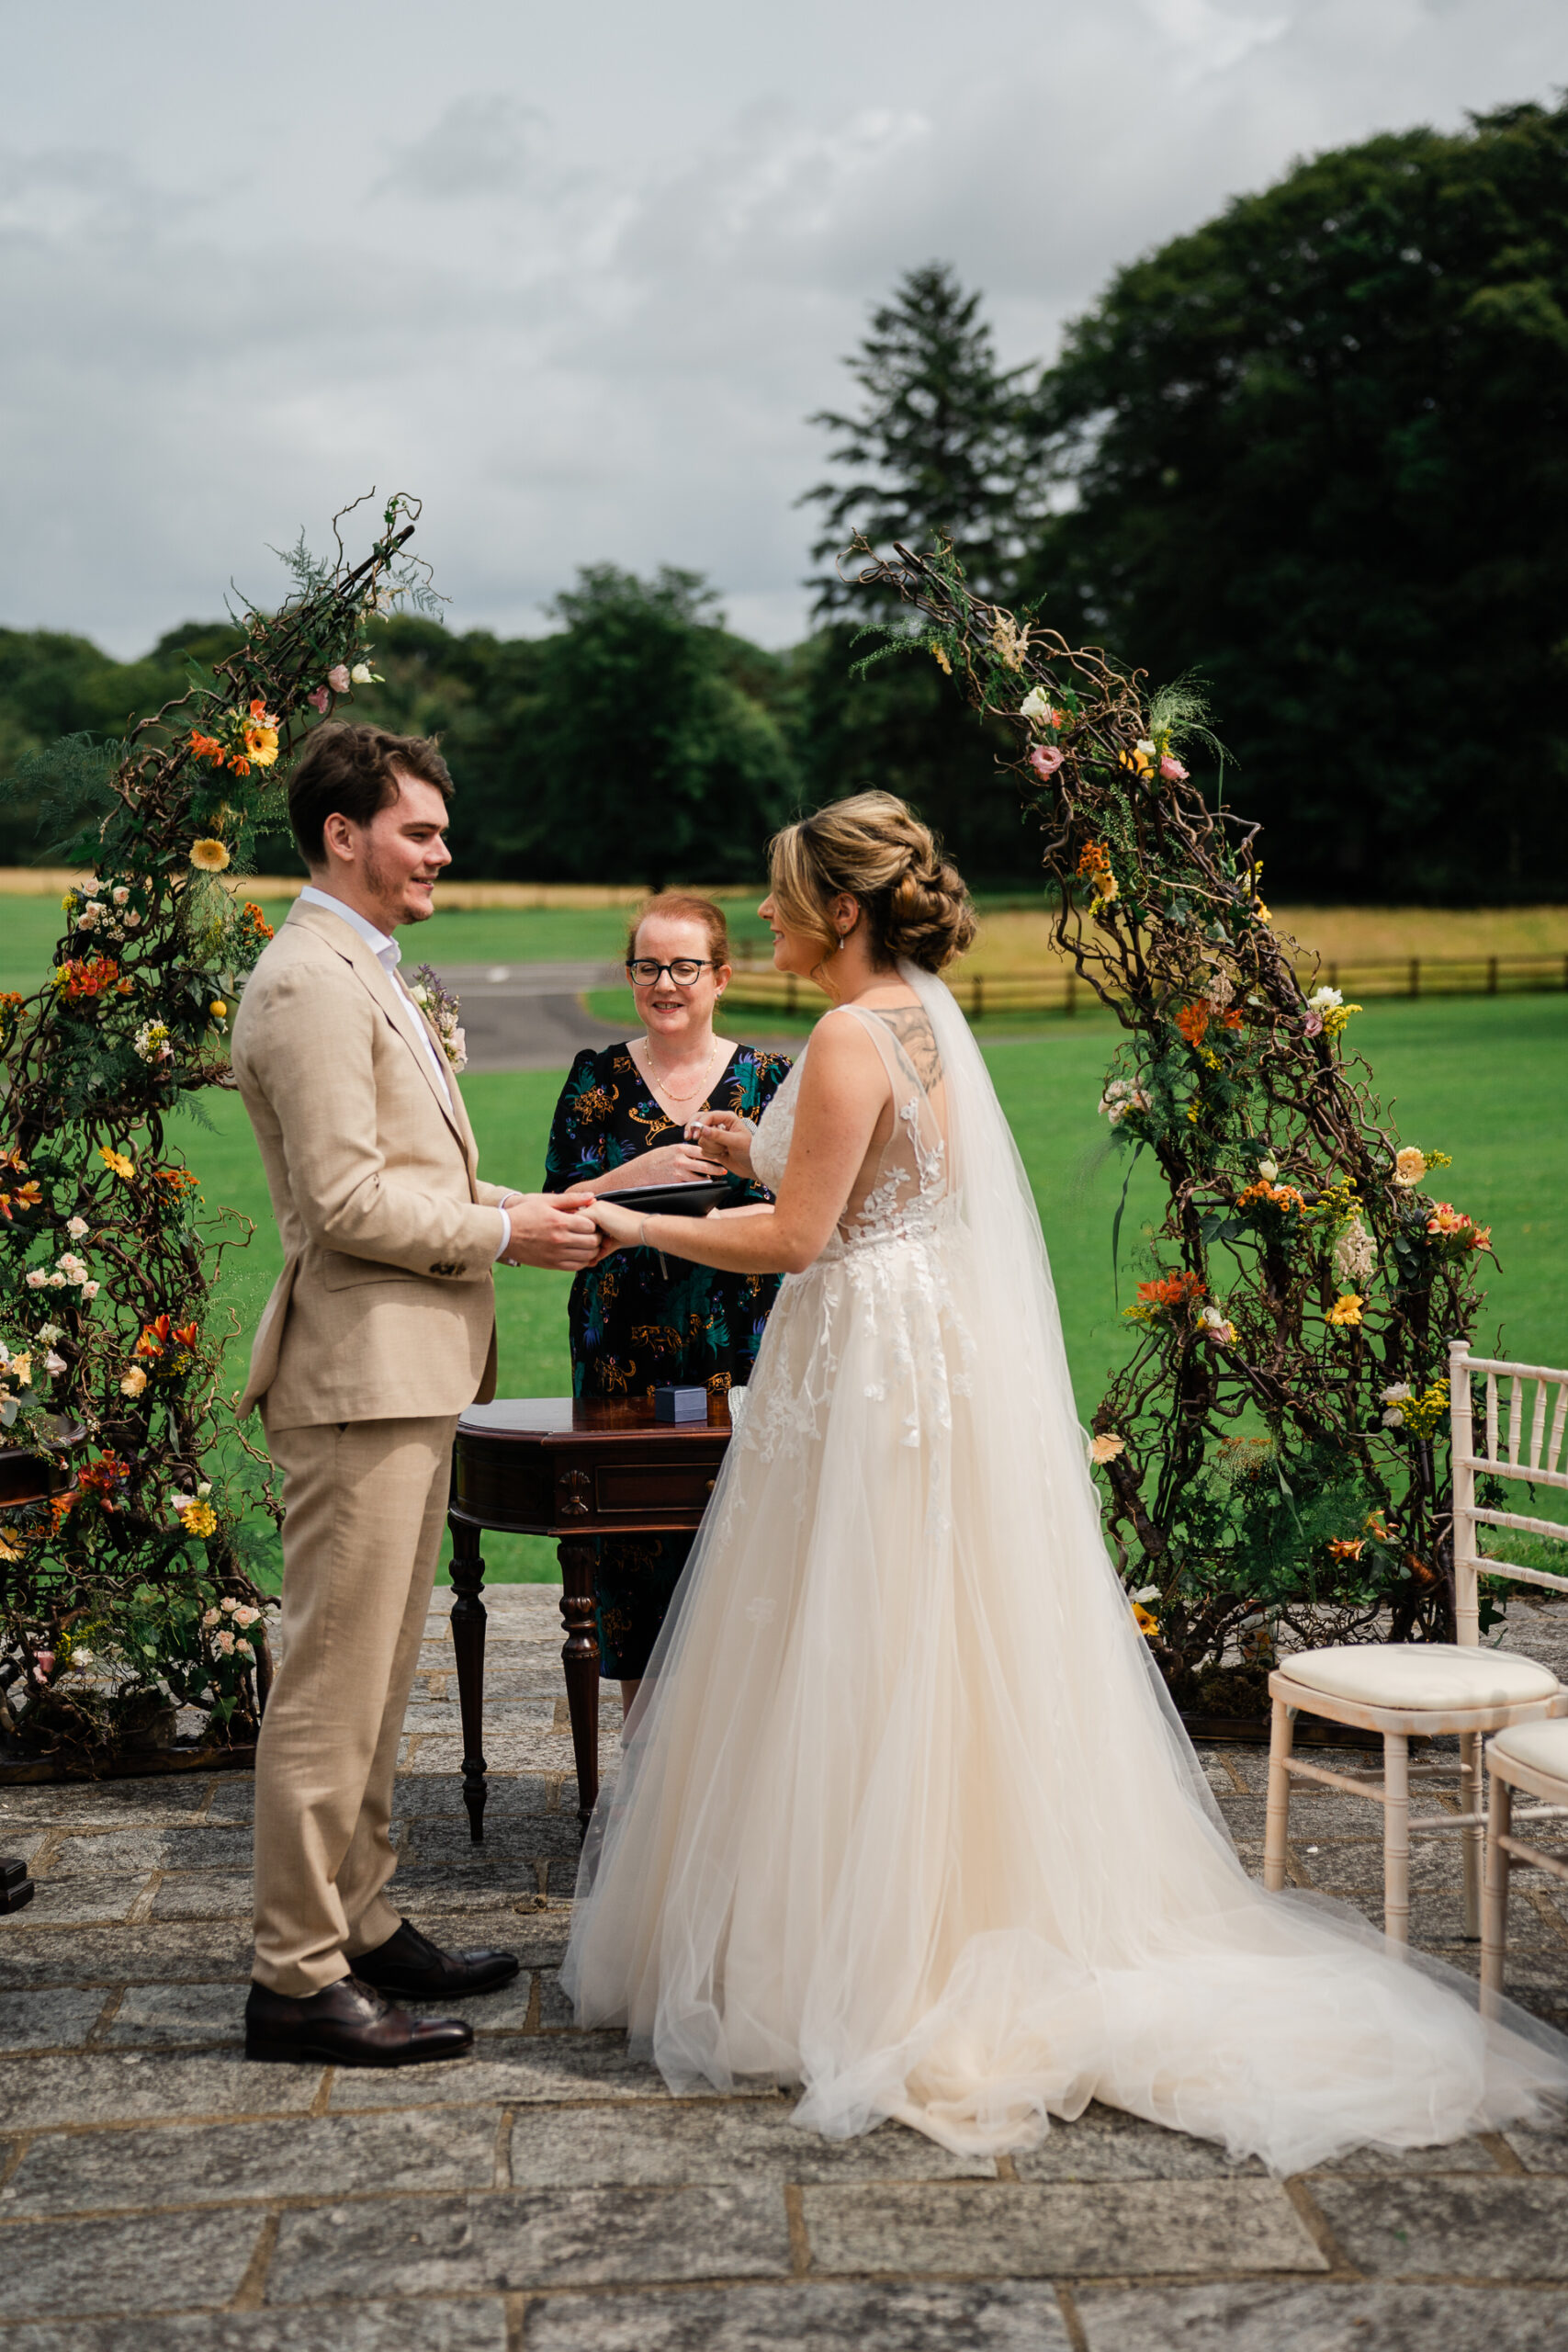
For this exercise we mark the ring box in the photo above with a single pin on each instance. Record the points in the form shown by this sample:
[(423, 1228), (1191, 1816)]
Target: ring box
[(679, 1404)]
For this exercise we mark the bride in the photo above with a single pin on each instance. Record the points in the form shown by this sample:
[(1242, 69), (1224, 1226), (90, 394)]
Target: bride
[(904, 1815)]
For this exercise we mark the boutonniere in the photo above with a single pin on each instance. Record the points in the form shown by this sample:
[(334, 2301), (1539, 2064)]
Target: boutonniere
[(443, 1011)]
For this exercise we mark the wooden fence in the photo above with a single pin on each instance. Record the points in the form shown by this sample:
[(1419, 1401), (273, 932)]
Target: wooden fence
[(987, 994)]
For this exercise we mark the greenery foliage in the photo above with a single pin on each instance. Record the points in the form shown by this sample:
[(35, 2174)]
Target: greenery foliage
[(128, 1594), (1273, 1448)]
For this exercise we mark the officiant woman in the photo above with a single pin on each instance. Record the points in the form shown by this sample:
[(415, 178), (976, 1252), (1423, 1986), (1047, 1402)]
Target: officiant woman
[(632, 1327)]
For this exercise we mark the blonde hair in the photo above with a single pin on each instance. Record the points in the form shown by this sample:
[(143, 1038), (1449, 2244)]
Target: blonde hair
[(684, 906), (876, 850)]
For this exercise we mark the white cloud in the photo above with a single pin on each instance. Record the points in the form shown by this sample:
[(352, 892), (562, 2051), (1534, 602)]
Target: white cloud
[(580, 283)]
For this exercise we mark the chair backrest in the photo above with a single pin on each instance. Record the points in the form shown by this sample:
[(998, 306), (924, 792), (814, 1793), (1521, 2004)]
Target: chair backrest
[(1536, 1460)]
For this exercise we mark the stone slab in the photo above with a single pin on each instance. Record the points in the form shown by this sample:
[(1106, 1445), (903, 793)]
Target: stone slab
[(175, 1846), (156, 2263), (535, 2238), (57, 2019), (114, 1804), (532, 1836), (1320, 2318), (118, 1955), (1111, 2229), (717, 2140), (152, 2015), (427, 1797), (1107, 2144), (127, 2089), (331, 2156), (72, 1902), (1443, 2229), (816, 2316), (476, 2327), (205, 1895), (519, 2072)]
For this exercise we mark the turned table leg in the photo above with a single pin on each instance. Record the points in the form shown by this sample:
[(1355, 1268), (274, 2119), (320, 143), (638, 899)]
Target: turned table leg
[(468, 1644), (580, 1658)]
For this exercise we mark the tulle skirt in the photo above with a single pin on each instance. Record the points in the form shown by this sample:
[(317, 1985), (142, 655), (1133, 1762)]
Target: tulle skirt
[(905, 1818)]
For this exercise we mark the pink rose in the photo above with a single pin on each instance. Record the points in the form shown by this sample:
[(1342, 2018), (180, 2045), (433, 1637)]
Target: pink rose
[(1045, 759), (1314, 1024), (320, 700), (338, 679), (1170, 767), (44, 1667)]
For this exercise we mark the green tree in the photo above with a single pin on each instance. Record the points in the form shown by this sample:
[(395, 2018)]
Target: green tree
[(1318, 452), (937, 448), (646, 757)]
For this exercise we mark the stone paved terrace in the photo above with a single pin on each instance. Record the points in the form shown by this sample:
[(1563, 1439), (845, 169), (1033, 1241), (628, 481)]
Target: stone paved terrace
[(157, 2193)]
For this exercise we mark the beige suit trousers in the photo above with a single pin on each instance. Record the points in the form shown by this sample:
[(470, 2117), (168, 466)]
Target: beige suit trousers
[(365, 1504)]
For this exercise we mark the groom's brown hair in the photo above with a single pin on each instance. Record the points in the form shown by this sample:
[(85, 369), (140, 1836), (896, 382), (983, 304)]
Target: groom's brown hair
[(353, 772)]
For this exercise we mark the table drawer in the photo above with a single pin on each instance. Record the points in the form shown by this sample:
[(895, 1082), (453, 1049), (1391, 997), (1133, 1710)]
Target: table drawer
[(652, 1490)]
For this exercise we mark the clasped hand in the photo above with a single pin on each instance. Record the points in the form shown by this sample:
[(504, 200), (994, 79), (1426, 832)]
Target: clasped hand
[(554, 1230)]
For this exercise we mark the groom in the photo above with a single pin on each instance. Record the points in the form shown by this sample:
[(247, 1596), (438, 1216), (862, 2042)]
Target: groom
[(380, 1334)]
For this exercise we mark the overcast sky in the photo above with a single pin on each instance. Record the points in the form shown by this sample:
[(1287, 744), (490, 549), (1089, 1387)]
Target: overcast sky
[(579, 275)]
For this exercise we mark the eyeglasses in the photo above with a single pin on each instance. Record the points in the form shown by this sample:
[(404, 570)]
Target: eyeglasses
[(682, 971)]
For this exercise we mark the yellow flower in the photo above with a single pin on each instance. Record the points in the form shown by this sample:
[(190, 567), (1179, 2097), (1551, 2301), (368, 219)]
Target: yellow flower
[(944, 665), (10, 1549), (1347, 1309), (1145, 1624), (198, 1518), (1409, 1167), (1106, 1446), (218, 1010), (68, 902), (209, 856), (134, 1382), (118, 1161)]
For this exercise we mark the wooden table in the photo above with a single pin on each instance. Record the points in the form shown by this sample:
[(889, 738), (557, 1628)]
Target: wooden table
[(552, 1466)]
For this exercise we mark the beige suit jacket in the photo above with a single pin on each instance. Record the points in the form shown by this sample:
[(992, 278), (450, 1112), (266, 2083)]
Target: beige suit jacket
[(385, 1308)]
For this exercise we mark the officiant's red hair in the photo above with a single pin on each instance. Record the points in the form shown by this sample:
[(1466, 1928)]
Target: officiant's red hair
[(353, 772)]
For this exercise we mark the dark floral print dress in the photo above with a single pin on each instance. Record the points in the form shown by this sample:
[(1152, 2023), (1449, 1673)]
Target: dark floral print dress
[(633, 1328)]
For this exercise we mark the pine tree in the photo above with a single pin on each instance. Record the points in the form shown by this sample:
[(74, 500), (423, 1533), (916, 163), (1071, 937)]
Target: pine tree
[(937, 446)]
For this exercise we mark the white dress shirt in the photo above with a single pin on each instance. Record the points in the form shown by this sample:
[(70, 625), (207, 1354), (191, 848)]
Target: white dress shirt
[(388, 954)]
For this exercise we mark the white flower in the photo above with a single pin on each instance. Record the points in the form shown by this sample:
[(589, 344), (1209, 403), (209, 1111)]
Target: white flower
[(152, 1041), (78, 1229), (1393, 1399), (209, 1618), (81, 1657), (1146, 747), (49, 1333), (1121, 1098), (228, 1607), (55, 1280), (119, 894), (1269, 1169), (1355, 1255), (362, 675), (70, 1266), (226, 1644), (1146, 1593), (36, 1278), (178, 1502), (457, 1049), (91, 1290), (420, 993), (243, 1649), (205, 1490), (1324, 1001), (247, 1616), (1219, 1328), (54, 1365)]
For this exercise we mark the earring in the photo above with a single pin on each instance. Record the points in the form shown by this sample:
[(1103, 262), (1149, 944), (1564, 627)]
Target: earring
[(842, 936)]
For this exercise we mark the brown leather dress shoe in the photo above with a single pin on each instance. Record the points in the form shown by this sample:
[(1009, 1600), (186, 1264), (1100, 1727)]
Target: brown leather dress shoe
[(413, 1969), (348, 2024)]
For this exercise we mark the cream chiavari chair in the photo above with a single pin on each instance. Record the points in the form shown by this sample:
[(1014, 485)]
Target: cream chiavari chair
[(1403, 1690), (1528, 1757)]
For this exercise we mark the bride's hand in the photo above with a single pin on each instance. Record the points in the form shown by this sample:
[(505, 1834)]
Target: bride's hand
[(725, 1136), (622, 1228)]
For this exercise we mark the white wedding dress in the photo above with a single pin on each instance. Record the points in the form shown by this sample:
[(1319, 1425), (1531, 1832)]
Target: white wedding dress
[(905, 1816)]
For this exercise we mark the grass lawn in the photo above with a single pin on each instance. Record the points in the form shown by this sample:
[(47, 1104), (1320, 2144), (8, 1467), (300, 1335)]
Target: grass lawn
[(1478, 1077)]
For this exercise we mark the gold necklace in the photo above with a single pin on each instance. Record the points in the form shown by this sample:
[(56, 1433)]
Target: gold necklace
[(662, 1086)]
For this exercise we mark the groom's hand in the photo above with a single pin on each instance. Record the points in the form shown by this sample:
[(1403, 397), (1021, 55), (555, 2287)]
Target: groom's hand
[(553, 1229)]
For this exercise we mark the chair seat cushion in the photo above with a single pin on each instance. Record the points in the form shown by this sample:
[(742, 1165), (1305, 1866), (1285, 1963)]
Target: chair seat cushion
[(1420, 1674), (1539, 1747)]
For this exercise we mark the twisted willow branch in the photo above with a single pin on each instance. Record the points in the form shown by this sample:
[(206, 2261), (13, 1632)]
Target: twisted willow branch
[(131, 1595), (1268, 1448)]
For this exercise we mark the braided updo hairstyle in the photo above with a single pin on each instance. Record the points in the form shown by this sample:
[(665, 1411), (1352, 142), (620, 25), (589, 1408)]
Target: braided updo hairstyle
[(877, 850)]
